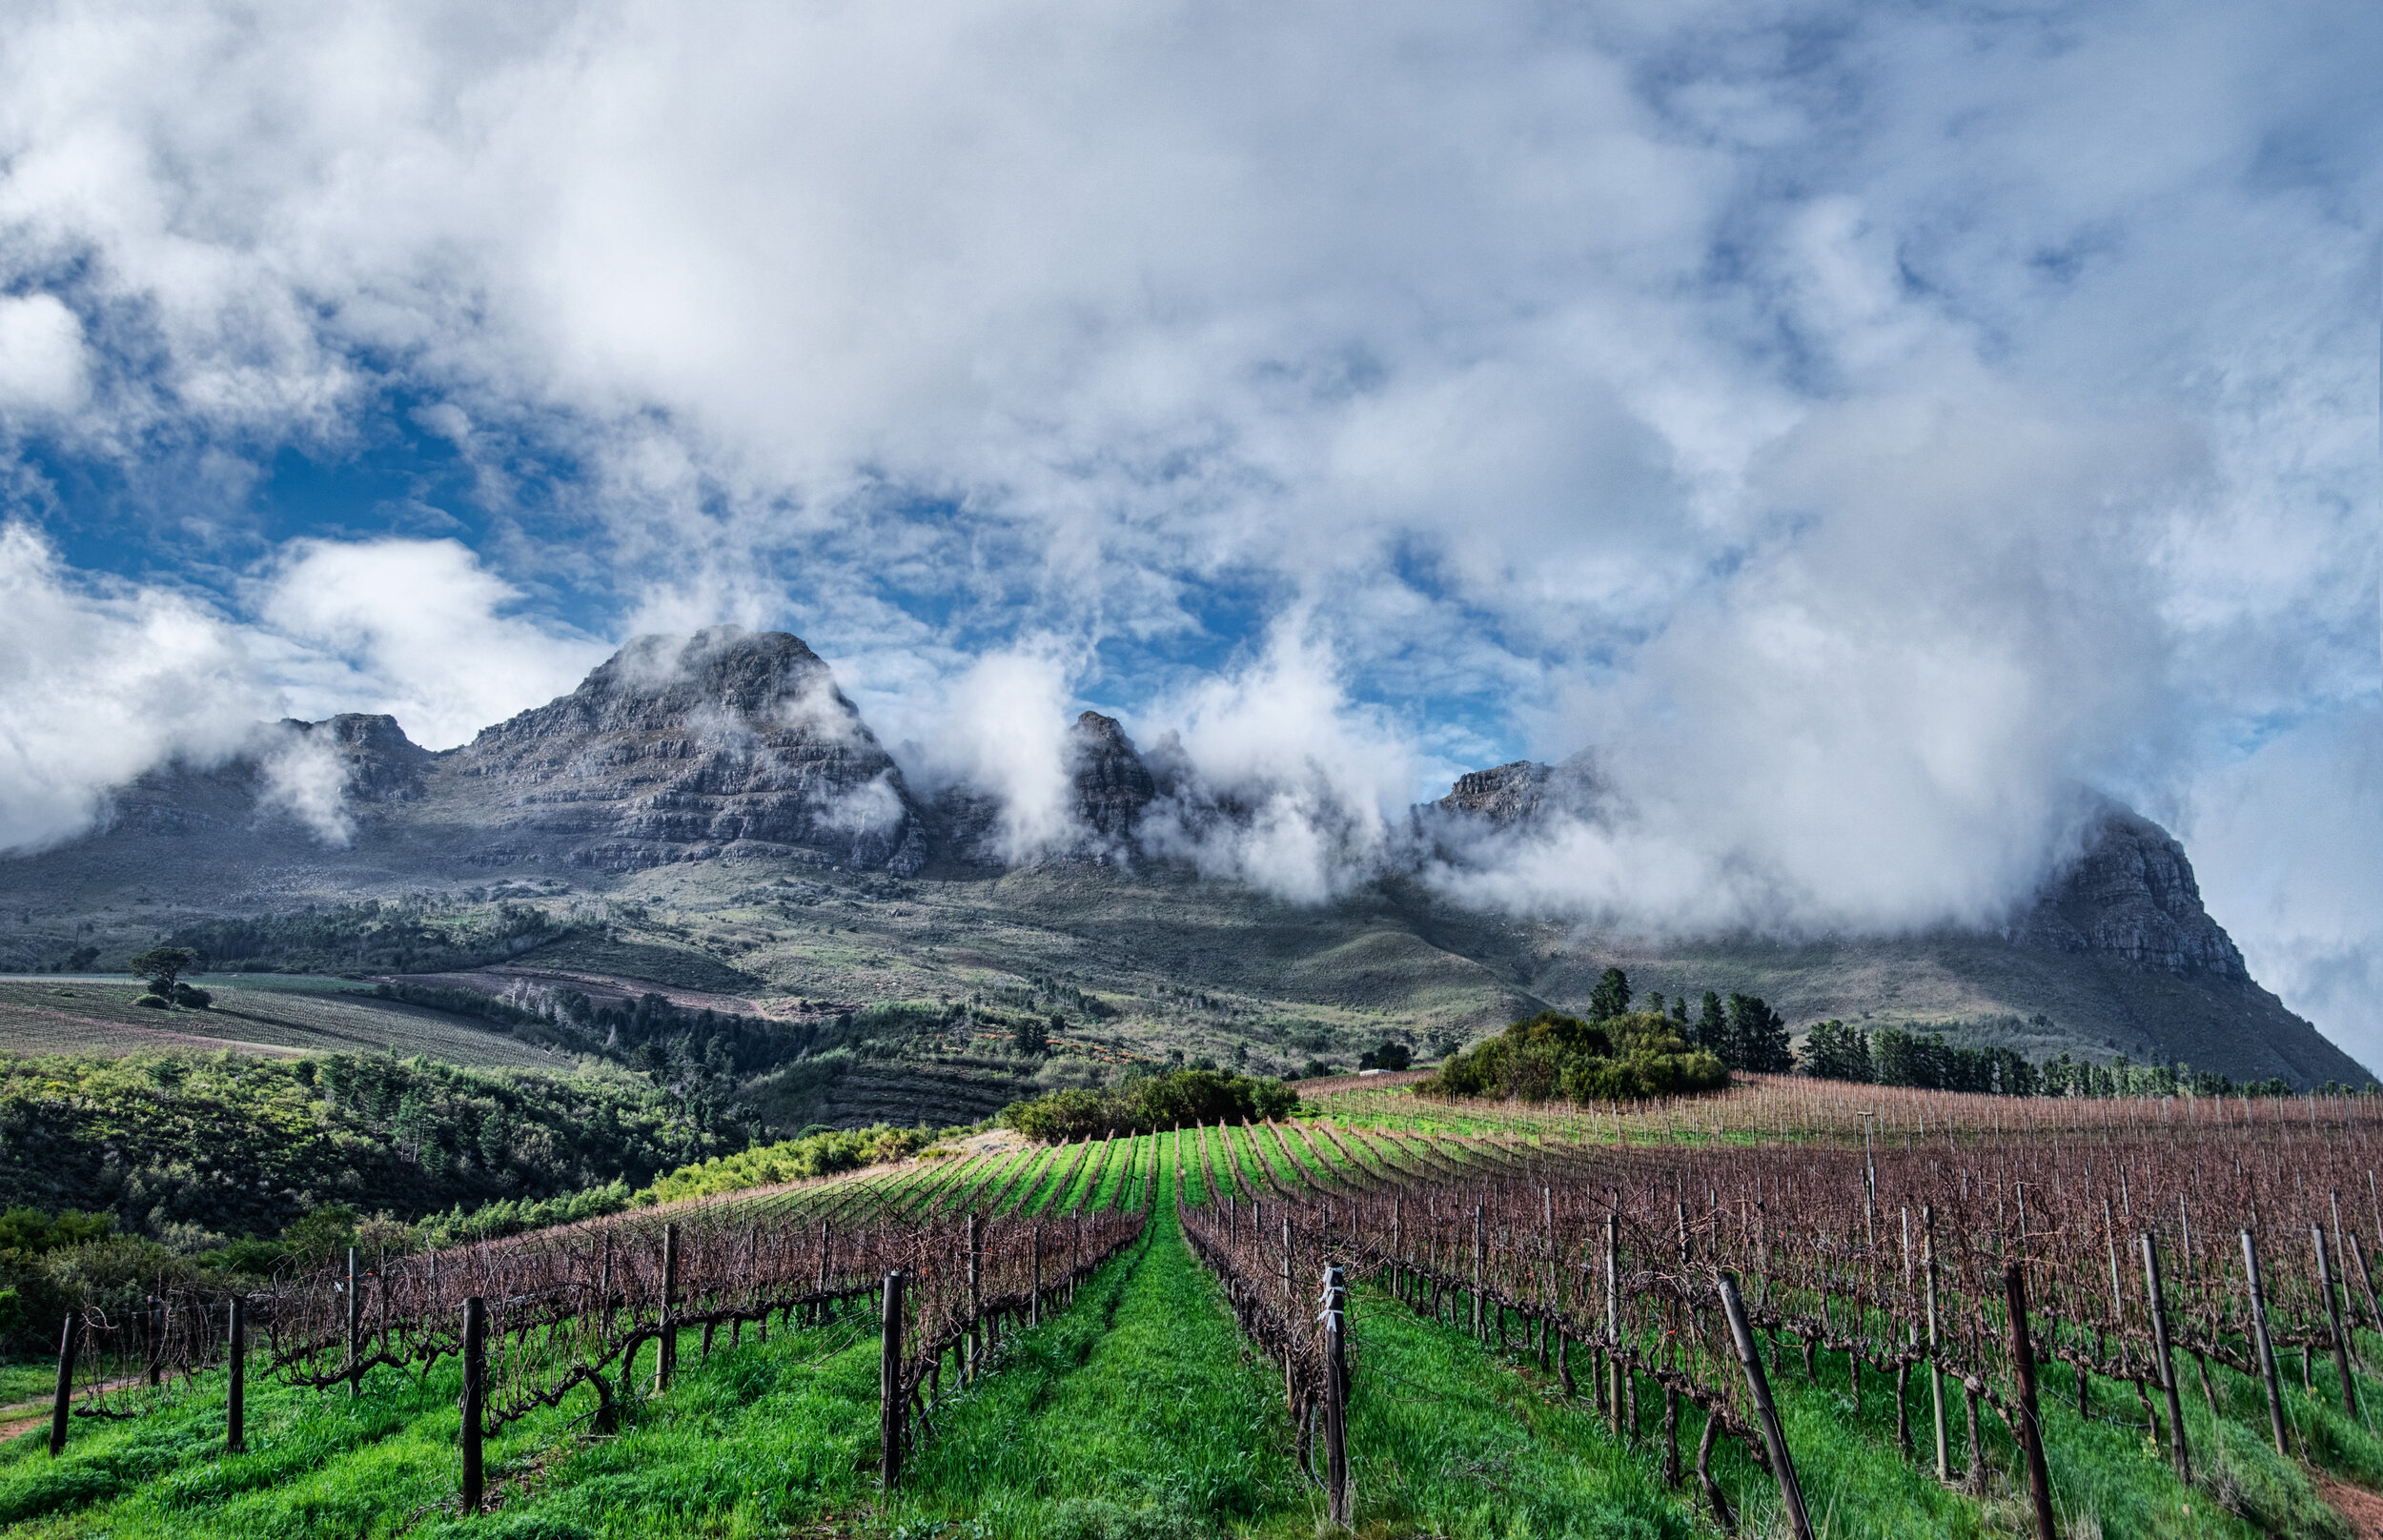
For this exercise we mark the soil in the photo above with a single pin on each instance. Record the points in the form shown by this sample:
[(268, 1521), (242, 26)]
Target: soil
[(2361, 1507)]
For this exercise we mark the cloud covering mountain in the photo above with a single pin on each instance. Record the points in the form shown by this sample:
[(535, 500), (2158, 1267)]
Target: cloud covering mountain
[(1871, 429)]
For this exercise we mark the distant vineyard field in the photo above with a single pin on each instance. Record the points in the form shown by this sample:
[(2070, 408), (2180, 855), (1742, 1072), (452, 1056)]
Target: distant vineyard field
[(79, 1016)]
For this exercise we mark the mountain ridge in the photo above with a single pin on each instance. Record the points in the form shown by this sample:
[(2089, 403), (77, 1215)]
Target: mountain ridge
[(702, 755)]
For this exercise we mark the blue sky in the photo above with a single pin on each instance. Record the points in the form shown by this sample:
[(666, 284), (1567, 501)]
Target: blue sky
[(1863, 426)]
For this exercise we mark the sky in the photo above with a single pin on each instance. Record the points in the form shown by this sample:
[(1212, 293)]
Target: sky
[(1872, 430)]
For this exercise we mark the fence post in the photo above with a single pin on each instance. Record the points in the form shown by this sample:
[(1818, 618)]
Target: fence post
[(1614, 1371), (1335, 1398), (2266, 1350), (66, 1386), (2030, 1428), (976, 1277), (1479, 1315), (356, 1321), (1035, 1295), (236, 1406), (2366, 1279), (889, 1386), (819, 1311), (2158, 1297), (474, 1397), (1936, 1369), (667, 1361), (1750, 1359), (2333, 1316)]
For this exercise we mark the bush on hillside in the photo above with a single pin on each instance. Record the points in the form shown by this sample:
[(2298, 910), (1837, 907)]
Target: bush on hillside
[(1153, 1101), (793, 1160), (154, 1002), (1550, 1056)]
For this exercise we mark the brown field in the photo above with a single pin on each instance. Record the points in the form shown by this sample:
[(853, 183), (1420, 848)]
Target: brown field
[(81, 1017)]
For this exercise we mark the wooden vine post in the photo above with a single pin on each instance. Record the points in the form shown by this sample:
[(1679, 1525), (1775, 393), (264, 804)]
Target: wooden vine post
[(1035, 1294), (667, 1361), (1614, 1371), (891, 1401), (65, 1396), (1775, 1441), (975, 1343), (235, 1403), (1936, 1367), (2163, 1359), (2029, 1429), (1335, 1398), (474, 1399), (2334, 1317), (2267, 1348), (356, 1321), (1477, 1313)]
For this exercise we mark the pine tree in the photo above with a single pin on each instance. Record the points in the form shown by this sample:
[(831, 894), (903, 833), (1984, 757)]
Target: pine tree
[(1712, 1031), (1611, 997)]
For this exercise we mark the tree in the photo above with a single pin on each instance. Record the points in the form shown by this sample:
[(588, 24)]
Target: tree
[(1836, 1051), (1611, 997), (1713, 1030), (1034, 1033), (1759, 1035), (162, 966), (1390, 1054)]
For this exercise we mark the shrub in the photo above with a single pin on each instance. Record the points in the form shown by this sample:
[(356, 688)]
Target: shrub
[(154, 1002), (191, 997), (1149, 1102), (1544, 1057)]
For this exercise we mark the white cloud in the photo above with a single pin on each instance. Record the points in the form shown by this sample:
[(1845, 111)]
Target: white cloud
[(1863, 423), (41, 355), (415, 628), (99, 681)]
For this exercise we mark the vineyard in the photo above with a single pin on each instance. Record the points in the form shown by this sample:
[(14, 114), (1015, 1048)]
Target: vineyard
[(1793, 1311)]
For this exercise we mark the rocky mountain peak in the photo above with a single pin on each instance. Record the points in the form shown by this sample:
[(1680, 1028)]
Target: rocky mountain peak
[(382, 764), (721, 676), (1113, 785), (677, 748), (2131, 895)]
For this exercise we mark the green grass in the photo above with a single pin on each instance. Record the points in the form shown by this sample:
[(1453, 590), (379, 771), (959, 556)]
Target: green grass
[(1136, 1412)]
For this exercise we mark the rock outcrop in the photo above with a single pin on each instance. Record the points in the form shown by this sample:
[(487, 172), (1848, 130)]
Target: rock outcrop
[(2131, 896), (382, 764), (680, 748), (1111, 784)]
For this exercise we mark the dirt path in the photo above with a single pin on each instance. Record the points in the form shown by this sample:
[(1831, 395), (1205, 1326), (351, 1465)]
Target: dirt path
[(2361, 1509)]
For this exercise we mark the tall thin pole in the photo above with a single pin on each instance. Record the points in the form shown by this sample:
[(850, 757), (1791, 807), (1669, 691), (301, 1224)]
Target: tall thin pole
[(2267, 1348), (65, 1395), (2030, 1428), (2333, 1315), (1335, 1398), (475, 1398), (666, 1362), (1936, 1367), (1790, 1491), (236, 1409), (355, 1319), (2165, 1361), (889, 1386)]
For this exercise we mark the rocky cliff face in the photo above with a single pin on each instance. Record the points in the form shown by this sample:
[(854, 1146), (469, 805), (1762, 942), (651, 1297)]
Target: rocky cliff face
[(2131, 896), (680, 748), (1112, 783), (380, 762)]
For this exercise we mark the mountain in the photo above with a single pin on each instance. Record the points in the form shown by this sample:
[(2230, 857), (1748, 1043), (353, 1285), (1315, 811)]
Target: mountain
[(718, 794)]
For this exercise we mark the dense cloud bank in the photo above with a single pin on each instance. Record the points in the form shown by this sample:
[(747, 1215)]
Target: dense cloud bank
[(1863, 426)]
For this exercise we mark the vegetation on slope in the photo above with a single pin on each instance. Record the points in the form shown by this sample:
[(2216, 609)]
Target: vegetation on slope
[(1541, 1057), (244, 1145), (1145, 1103)]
